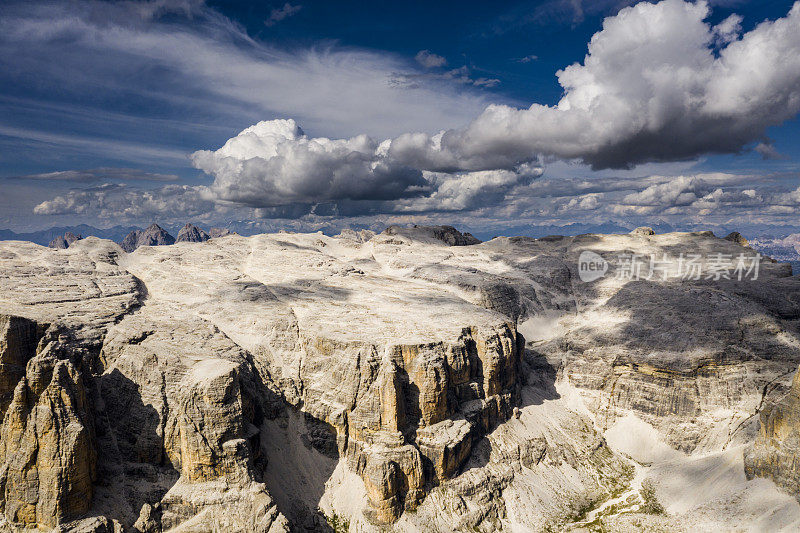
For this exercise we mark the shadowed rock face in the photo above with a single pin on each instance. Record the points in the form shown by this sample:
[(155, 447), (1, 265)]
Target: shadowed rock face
[(18, 339), (397, 380), (63, 242), (776, 452), (737, 237), (446, 234), (131, 241), (191, 233), (154, 235)]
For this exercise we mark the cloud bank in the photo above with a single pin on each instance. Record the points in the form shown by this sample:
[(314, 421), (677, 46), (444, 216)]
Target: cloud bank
[(119, 202), (658, 84)]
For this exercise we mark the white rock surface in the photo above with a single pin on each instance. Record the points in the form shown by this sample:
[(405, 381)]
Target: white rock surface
[(268, 382)]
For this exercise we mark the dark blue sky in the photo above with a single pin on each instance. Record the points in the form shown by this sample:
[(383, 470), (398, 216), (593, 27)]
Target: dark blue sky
[(88, 88)]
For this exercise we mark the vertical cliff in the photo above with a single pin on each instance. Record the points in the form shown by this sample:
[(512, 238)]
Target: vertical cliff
[(775, 454)]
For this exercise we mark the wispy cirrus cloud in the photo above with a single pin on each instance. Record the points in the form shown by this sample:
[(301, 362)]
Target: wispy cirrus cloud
[(184, 61), (99, 174), (282, 13), (429, 60), (128, 151)]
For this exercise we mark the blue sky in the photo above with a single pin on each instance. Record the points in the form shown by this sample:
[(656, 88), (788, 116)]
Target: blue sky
[(117, 112)]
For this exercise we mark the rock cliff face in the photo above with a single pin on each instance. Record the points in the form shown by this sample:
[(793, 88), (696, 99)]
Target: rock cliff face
[(776, 452), (411, 380), (18, 340), (446, 234), (48, 443)]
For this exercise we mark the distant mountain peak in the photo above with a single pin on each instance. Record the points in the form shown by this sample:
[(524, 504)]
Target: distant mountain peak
[(191, 233), (62, 242), (154, 235)]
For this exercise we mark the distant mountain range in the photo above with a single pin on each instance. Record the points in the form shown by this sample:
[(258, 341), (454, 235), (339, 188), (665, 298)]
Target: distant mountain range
[(771, 240), (43, 237), (153, 235)]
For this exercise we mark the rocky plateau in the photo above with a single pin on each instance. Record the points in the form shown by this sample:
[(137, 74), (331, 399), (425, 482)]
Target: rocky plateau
[(413, 380)]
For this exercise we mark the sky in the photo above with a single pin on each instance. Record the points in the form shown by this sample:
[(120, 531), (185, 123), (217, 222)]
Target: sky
[(306, 115)]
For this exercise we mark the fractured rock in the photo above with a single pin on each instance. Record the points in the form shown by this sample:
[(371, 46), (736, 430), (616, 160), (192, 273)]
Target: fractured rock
[(18, 339), (47, 442), (775, 454)]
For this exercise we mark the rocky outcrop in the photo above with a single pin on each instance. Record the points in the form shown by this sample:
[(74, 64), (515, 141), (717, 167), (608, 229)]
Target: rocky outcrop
[(358, 236), (47, 442), (644, 231), (211, 424), (775, 454), (63, 242), (214, 233), (131, 241), (191, 233), (18, 339), (185, 417), (392, 381), (446, 234), (737, 237), (416, 423), (154, 235)]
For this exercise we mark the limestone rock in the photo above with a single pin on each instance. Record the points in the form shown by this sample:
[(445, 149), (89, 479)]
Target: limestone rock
[(131, 240), (18, 339), (446, 234), (296, 380), (211, 424), (214, 233), (643, 231), (776, 452), (191, 233), (149, 520), (360, 236), (95, 524), (47, 442), (154, 235)]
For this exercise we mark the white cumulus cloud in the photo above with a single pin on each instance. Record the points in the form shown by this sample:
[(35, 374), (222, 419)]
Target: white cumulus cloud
[(659, 83), (274, 163), (652, 88)]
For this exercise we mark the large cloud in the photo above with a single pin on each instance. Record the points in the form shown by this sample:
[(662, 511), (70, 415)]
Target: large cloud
[(658, 84), (275, 163), (120, 202)]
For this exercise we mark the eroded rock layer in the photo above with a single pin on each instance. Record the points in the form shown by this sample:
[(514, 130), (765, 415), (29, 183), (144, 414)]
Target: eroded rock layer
[(776, 452)]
